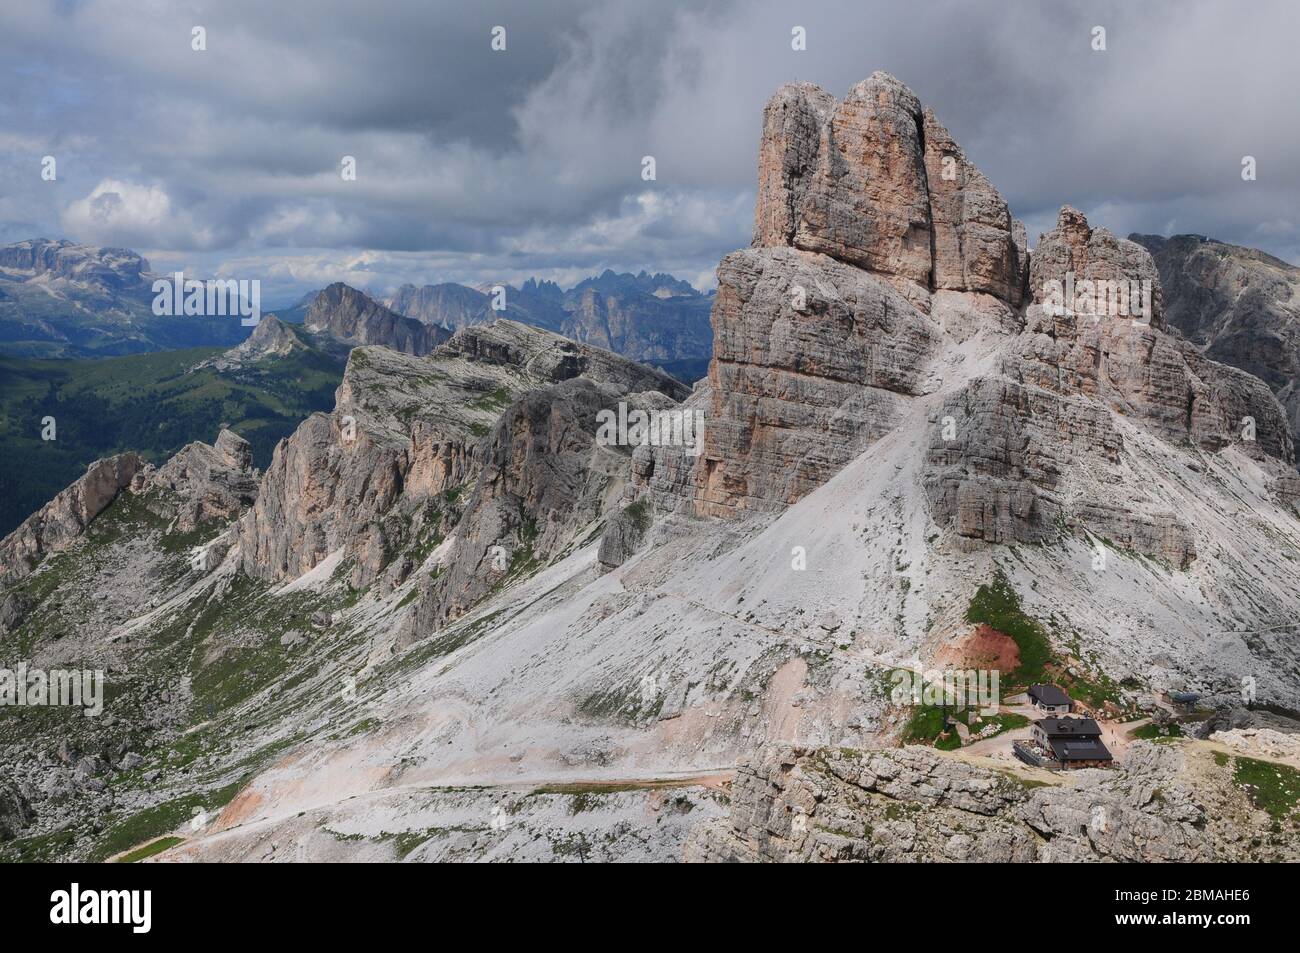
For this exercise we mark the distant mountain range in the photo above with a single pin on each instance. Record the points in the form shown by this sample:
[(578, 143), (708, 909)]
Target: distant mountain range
[(657, 319), (62, 299)]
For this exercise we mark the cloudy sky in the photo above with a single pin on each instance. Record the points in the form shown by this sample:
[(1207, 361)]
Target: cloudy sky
[(479, 165)]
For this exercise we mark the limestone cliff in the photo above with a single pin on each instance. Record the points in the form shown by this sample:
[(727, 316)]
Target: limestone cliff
[(381, 476), (883, 263), (351, 318), (66, 517)]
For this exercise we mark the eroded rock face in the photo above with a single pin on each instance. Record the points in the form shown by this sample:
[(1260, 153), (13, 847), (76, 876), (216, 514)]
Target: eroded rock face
[(1000, 464), (848, 179), (61, 521), (869, 218), (271, 338), (552, 358), (383, 474), (403, 429), (117, 268), (1095, 256), (1136, 368), (877, 182), (544, 477), (1236, 305), (15, 811), (977, 247), (812, 360), (1005, 450), (204, 484), (816, 356), (790, 149), (913, 804), (625, 532)]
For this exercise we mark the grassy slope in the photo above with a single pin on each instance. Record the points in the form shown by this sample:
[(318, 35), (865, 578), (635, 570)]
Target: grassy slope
[(149, 403), (997, 605), (226, 647)]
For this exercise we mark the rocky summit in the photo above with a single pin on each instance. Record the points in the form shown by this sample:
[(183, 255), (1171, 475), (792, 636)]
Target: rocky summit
[(350, 317), (518, 597)]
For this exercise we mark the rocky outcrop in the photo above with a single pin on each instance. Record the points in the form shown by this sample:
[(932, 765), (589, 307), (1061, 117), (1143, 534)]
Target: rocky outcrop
[(1004, 467), (878, 249), (64, 519), (815, 356), (15, 811), (876, 182), (625, 533), (544, 478), (332, 483), (552, 358), (370, 478), (1141, 372), (873, 236), (1237, 305), (847, 179), (351, 318), (1001, 464), (916, 805), (790, 149), (271, 338), (203, 484), (1101, 268), (977, 247)]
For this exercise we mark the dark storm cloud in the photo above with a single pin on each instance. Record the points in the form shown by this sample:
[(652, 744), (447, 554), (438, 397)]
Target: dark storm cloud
[(475, 165)]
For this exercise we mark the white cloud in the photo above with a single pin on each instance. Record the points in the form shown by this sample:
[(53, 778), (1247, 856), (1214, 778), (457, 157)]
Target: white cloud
[(117, 212)]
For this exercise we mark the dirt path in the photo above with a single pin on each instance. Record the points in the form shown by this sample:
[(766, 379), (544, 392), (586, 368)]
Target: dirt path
[(718, 779), (1245, 752)]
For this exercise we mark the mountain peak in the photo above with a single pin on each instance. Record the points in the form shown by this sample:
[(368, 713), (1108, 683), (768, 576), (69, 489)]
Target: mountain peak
[(352, 317), (876, 182)]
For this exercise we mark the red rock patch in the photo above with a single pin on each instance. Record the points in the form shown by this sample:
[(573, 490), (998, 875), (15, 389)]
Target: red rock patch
[(239, 810), (984, 647)]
